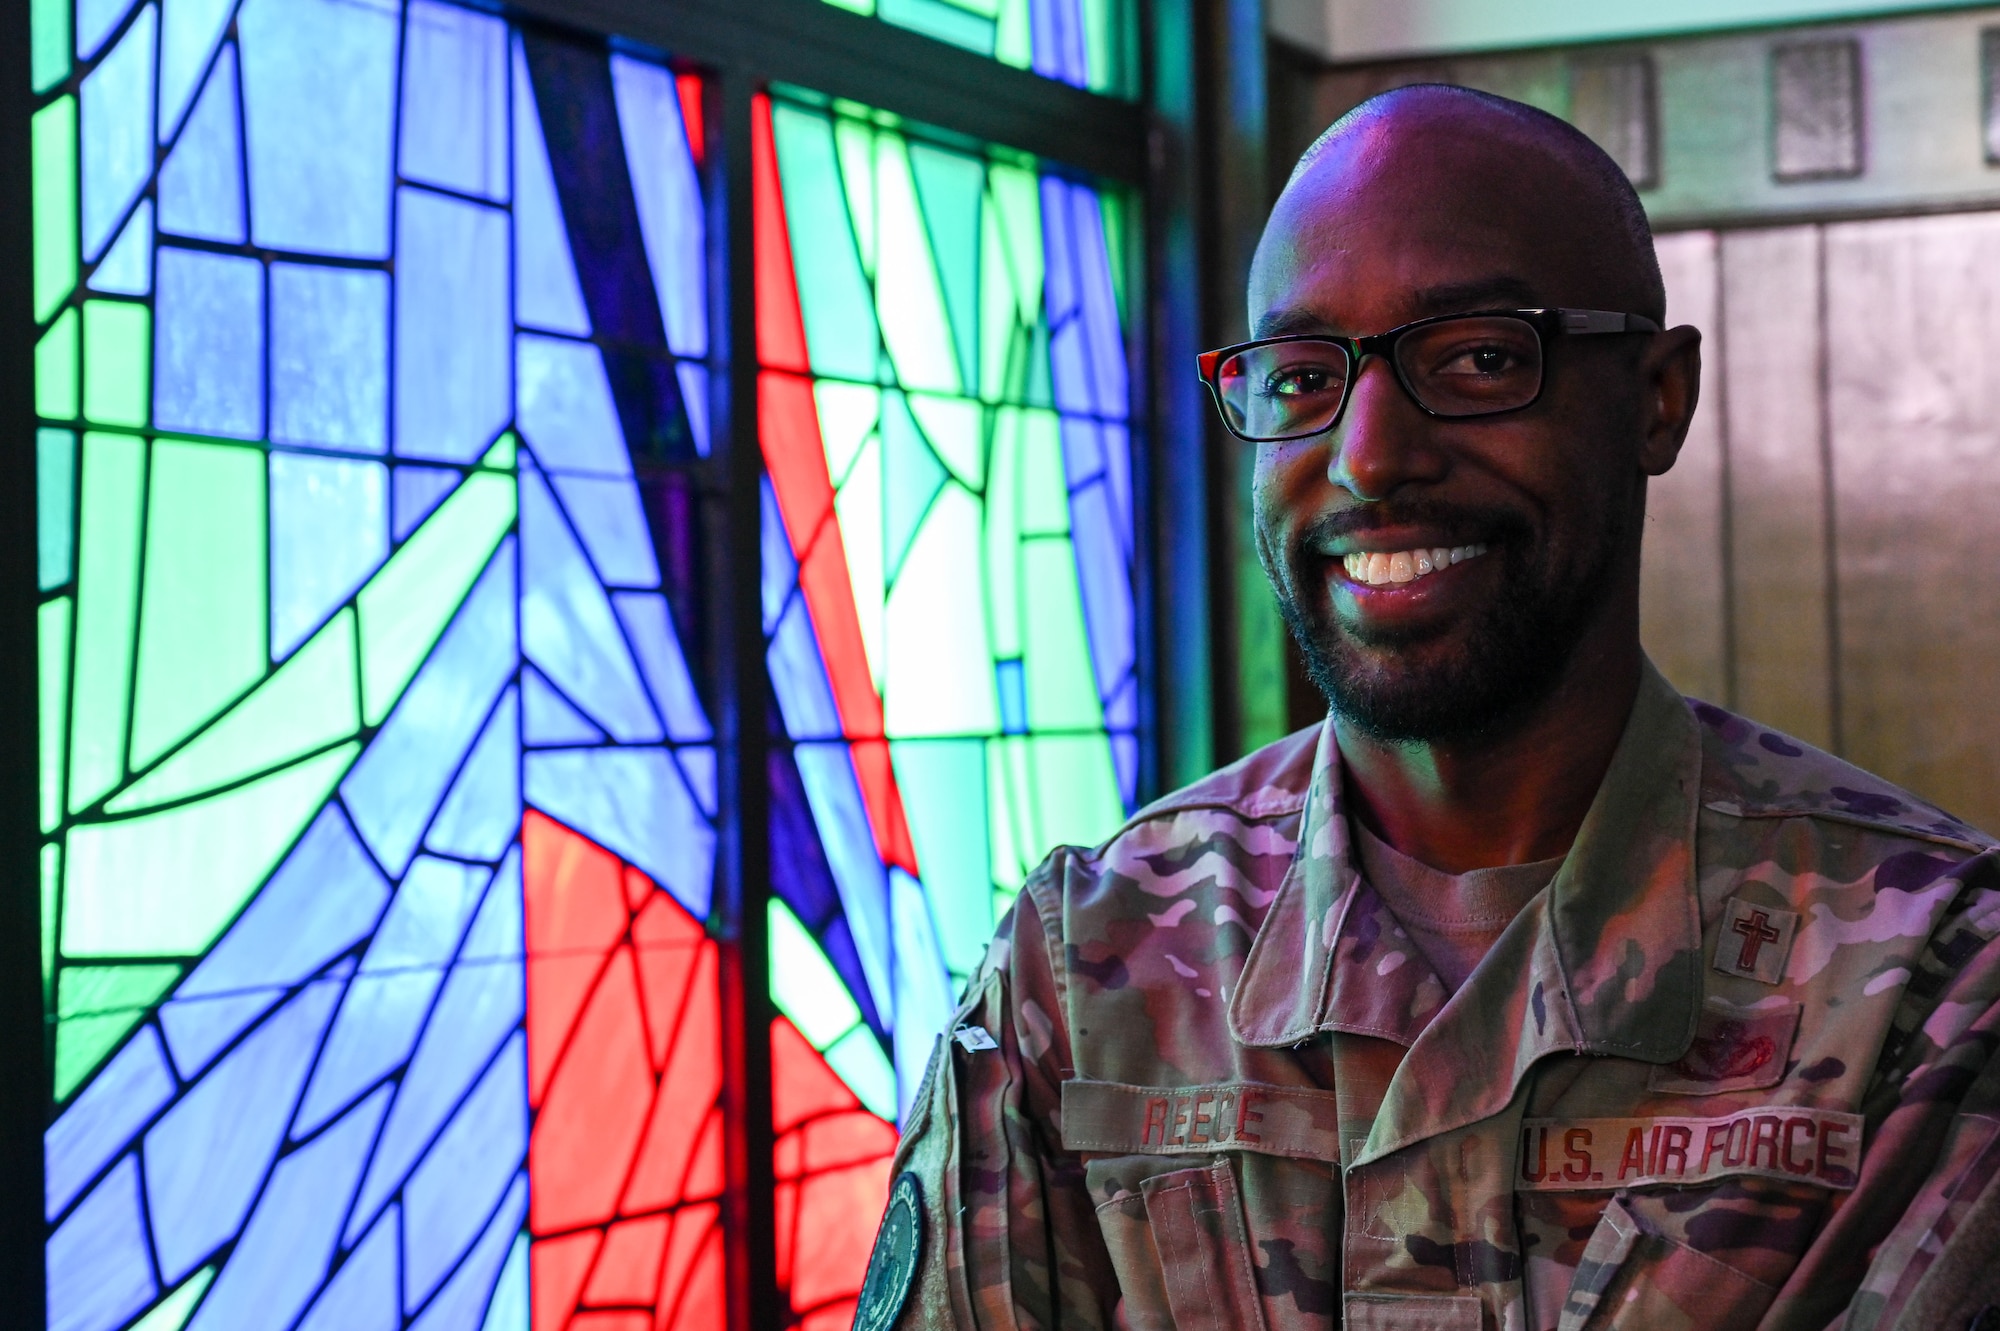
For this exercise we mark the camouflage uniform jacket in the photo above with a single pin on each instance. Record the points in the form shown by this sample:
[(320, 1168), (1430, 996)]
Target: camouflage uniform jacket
[(1734, 1067)]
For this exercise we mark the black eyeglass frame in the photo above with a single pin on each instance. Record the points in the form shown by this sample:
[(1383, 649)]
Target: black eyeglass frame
[(1547, 322)]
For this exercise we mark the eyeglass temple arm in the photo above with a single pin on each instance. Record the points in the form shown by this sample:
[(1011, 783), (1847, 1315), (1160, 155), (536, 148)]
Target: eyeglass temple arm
[(1605, 321)]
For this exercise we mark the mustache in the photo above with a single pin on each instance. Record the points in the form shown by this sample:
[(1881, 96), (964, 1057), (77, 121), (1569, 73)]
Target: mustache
[(1463, 524)]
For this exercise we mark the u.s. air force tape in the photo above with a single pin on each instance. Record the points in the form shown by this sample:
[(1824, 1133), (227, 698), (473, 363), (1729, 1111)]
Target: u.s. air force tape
[(892, 1267), (1785, 1142)]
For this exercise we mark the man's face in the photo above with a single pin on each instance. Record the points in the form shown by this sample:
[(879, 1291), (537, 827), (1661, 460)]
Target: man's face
[(1397, 223)]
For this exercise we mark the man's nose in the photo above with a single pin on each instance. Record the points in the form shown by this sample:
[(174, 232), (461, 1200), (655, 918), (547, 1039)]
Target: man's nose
[(1380, 443)]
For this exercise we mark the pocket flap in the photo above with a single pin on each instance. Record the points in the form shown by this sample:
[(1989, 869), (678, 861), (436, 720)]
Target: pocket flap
[(1197, 1221)]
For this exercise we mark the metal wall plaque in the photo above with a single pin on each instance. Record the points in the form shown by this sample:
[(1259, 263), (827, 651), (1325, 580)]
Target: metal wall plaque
[(1614, 101), (1816, 111)]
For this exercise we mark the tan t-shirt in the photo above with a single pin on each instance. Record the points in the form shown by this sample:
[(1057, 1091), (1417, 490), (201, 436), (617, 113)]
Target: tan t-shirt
[(1454, 919)]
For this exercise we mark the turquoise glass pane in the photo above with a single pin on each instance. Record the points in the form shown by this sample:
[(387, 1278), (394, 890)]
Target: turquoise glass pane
[(1085, 43)]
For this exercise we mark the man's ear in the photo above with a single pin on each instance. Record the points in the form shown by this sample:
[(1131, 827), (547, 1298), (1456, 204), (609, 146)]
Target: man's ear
[(1671, 375)]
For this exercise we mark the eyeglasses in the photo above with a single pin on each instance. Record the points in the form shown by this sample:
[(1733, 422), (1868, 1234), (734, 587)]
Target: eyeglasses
[(1453, 366)]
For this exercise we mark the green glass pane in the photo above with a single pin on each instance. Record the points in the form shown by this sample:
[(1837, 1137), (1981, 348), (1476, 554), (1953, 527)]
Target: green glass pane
[(54, 146), (908, 299), (107, 611), (847, 415), (956, 428), (172, 1312), (1010, 785), (48, 43), (117, 361), (1013, 41), (51, 885), (950, 186), (859, 1060), (911, 478), (57, 382), (311, 702), (201, 630), (804, 983), (1076, 790), (500, 457), (857, 6), (1017, 197), (52, 648), (943, 782), (1061, 688), (858, 505), (983, 8), (170, 882), (1003, 534), (1037, 389), (55, 505), (833, 293), (406, 606), (95, 1007), (1116, 216), (945, 22), (999, 314), (1100, 45), (854, 146), (939, 679), (1044, 486)]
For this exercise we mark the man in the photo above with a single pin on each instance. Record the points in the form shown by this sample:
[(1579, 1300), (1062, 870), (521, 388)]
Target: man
[(1523, 993)]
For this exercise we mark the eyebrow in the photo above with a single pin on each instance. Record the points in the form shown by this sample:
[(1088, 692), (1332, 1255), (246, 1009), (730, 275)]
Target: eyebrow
[(1453, 298)]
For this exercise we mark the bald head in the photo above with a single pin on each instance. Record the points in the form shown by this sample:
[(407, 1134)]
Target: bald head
[(1497, 170)]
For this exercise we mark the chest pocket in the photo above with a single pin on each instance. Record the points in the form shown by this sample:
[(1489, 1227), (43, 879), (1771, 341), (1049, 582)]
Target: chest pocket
[(1182, 1252), (1631, 1279)]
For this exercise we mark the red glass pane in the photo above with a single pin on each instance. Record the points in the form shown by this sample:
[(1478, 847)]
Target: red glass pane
[(628, 1267), (781, 331), (595, 1109), (689, 87), (575, 912), (556, 1268), (702, 1305)]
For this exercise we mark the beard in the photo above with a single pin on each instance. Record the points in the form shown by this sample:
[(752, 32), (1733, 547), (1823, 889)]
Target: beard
[(1411, 686)]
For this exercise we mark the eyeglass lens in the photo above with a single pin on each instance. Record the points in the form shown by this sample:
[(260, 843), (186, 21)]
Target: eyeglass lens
[(1458, 367)]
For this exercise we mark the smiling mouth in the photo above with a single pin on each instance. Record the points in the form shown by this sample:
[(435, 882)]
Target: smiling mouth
[(1378, 568)]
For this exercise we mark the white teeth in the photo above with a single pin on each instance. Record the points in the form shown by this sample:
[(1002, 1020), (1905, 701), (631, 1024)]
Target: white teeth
[(1377, 567)]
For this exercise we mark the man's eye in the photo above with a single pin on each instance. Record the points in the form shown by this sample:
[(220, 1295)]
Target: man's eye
[(1487, 362), (1299, 381)]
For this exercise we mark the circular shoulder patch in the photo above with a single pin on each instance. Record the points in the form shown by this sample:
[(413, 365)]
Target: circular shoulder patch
[(892, 1267)]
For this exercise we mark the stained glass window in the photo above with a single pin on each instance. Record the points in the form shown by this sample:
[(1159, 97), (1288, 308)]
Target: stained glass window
[(378, 796), (1089, 44), (948, 602)]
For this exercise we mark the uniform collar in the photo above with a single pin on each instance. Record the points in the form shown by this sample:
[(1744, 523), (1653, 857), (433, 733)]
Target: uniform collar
[(1606, 961)]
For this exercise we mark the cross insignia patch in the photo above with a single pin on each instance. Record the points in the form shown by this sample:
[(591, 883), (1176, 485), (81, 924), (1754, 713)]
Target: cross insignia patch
[(1755, 940)]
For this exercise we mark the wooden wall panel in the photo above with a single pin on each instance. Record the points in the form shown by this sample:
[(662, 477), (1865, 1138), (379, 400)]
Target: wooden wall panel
[(1915, 423), (1777, 480), (1682, 601)]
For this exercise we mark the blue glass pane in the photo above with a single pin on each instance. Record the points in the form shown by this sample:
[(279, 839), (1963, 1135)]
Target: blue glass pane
[(388, 998), (632, 802), (1059, 51), (323, 900), (55, 504), (803, 880), (455, 99), (329, 532), (483, 809), (828, 773), (546, 292), (127, 267), (1011, 681), (1085, 345), (1125, 757), (319, 90), (362, 1294), (547, 718), (448, 1199), (188, 33), (567, 625), (96, 20), (1121, 709), (97, 1269), (452, 327), (403, 773), (416, 491), (208, 344), (780, 569), (330, 357), (288, 1244), (206, 1158), (923, 988), (482, 1003), (698, 766), (117, 132), (201, 184), (798, 677), (1106, 585), (119, 1101), (607, 515), (694, 396), (650, 629), (459, 1305), (566, 411), (668, 193)]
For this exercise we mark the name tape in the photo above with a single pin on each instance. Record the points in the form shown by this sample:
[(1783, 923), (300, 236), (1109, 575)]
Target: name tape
[(1185, 1120), (1787, 1143)]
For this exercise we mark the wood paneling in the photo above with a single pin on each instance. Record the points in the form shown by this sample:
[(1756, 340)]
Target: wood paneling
[(1914, 305), (1682, 602), (1777, 480)]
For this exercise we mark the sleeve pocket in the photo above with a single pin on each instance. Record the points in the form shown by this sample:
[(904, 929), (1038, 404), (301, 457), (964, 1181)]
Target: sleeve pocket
[(1196, 1216)]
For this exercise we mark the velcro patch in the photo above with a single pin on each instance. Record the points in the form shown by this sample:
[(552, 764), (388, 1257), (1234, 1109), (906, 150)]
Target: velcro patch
[(1787, 1142), (1194, 1120), (1734, 1049), (1755, 940), (892, 1267)]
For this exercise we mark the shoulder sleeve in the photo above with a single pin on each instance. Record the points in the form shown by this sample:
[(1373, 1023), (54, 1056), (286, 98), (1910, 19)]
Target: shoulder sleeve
[(1008, 1235)]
